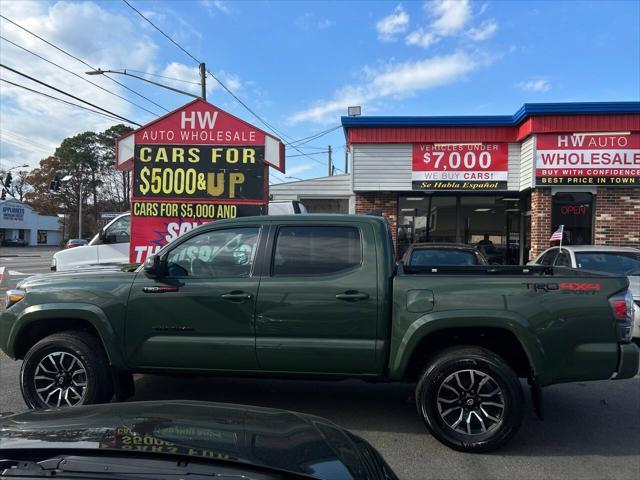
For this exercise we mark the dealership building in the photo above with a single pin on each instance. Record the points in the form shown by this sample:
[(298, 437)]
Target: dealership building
[(18, 221), (508, 181)]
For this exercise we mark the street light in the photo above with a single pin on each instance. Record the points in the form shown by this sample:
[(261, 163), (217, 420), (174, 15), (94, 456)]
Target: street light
[(17, 166), (203, 83)]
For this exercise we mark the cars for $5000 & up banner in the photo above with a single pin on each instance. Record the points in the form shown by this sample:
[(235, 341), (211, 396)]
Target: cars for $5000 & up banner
[(178, 187)]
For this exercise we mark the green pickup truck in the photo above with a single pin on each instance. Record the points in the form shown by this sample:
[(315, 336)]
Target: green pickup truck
[(320, 296)]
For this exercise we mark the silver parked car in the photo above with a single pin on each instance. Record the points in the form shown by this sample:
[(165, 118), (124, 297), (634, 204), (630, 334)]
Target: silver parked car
[(599, 258)]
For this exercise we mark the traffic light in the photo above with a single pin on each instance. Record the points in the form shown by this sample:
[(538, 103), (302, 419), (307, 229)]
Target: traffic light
[(54, 186), (8, 179), (4, 194)]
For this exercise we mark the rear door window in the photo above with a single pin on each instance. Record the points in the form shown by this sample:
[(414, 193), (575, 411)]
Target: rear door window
[(312, 250)]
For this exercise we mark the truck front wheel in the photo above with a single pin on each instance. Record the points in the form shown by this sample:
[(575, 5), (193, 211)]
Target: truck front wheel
[(470, 399), (65, 369)]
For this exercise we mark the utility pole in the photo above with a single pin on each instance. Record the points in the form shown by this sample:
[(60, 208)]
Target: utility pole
[(203, 81), (346, 159), (330, 161), (80, 214)]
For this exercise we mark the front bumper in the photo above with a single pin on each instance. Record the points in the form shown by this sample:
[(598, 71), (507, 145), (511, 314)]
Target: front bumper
[(629, 362)]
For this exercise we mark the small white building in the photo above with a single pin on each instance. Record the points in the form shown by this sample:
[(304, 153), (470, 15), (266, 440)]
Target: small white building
[(19, 221), (319, 195)]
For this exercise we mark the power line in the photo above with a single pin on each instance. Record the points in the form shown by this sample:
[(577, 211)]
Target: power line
[(69, 95), (164, 34), (304, 154), (76, 75), (21, 143), (81, 61), (311, 138), (161, 76), (220, 82), (59, 99), (227, 89), (24, 139)]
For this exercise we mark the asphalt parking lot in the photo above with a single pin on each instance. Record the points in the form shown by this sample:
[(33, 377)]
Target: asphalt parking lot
[(591, 429)]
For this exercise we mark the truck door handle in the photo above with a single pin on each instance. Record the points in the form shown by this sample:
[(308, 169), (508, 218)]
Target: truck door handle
[(236, 296), (352, 296)]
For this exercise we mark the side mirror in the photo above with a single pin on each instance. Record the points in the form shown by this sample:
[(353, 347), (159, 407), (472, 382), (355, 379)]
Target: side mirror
[(153, 266), (102, 236)]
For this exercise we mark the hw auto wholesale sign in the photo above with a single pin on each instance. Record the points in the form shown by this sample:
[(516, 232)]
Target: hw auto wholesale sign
[(197, 164), (461, 166), (607, 159)]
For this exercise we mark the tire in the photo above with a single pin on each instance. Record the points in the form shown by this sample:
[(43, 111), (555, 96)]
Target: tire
[(470, 399), (76, 364)]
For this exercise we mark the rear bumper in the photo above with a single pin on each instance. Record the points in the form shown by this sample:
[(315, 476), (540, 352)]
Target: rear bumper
[(629, 362)]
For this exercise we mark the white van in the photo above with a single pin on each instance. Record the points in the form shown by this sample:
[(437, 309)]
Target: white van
[(111, 245)]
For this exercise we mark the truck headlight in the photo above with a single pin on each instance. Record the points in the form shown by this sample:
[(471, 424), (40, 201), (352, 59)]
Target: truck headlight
[(13, 296)]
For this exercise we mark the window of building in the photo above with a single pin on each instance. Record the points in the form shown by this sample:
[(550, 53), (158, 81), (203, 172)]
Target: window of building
[(220, 253), (326, 205), (309, 250), (575, 212), (490, 222), (42, 236)]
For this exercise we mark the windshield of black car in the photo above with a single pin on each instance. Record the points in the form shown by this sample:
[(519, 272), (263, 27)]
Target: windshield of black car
[(93, 466), (619, 263), (442, 256)]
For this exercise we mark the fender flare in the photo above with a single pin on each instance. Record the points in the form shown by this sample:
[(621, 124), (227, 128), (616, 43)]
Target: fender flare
[(75, 311), (434, 322)]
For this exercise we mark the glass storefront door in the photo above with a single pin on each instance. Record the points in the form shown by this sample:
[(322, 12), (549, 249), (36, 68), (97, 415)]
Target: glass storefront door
[(489, 222), (575, 212)]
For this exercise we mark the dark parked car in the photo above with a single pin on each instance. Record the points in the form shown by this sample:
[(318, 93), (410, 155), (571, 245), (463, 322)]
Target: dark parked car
[(75, 242), (14, 242), (443, 254), (180, 439)]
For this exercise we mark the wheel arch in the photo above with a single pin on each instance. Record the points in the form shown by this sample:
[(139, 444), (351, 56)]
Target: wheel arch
[(507, 336), (36, 323)]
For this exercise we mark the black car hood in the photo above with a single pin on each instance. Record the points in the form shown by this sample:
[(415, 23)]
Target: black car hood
[(278, 439)]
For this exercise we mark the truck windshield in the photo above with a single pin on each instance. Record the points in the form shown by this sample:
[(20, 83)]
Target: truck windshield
[(445, 256), (620, 263)]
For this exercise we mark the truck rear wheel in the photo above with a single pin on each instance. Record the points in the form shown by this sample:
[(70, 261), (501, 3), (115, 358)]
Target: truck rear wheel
[(65, 369), (470, 399)]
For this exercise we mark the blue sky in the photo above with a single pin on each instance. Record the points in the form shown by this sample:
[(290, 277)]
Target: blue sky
[(299, 64)]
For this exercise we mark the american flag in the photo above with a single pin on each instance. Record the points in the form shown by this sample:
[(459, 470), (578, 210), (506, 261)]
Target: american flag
[(557, 235)]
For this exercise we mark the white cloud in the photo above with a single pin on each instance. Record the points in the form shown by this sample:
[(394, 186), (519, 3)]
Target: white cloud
[(392, 25), (213, 6), (539, 85), (87, 30), (396, 80), (100, 37), (325, 23), (447, 18), (421, 38), (484, 31), (309, 21)]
